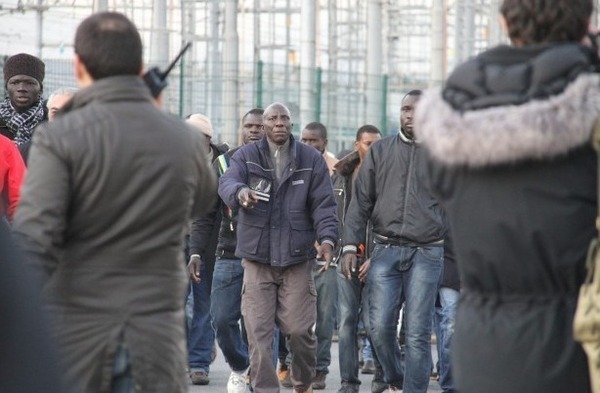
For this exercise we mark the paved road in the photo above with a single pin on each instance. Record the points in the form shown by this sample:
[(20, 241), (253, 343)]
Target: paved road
[(219, 374)]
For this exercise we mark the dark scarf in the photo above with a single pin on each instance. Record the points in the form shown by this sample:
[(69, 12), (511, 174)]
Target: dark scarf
[(21, 124)]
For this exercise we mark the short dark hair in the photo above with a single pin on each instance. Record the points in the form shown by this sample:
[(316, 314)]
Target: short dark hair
[(317, 126), (253, 111), (109, 44), (537, 21), (367, 129), (415, 92)]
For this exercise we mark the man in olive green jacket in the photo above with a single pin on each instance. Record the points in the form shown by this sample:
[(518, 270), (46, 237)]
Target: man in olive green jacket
[(112, 183)]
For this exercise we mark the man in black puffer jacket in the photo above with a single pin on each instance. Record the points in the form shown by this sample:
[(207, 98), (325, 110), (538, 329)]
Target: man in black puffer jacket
[(512, 165)]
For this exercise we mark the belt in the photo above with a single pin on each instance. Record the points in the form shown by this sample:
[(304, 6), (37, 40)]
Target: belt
[(377, 238)]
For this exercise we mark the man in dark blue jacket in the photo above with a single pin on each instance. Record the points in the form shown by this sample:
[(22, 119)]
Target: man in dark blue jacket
[(285, 200)]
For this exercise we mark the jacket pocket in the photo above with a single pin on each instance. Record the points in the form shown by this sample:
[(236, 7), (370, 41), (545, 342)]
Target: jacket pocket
[(301, 234), (252, 227)]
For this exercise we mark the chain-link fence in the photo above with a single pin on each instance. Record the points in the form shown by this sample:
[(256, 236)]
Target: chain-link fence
[(340, 97)]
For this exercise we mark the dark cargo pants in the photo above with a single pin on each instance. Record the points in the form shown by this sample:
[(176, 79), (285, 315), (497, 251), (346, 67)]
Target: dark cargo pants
[(285, 296)]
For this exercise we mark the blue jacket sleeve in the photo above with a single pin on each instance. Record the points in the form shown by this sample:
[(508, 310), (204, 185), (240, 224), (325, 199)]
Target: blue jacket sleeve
[(322, 203)]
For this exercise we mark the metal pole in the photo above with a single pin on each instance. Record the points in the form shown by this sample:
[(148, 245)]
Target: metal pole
[(160, 35), (230, 73), (384, 100), (307, 61), (460, 32), (470, 29), (40, 27), (286, 77), (259, 84), (438, 36), (374, 57), (332, 121), (319, 92), (186, 90), (257, 62), (495, 36), (100, 5), (215, 93)]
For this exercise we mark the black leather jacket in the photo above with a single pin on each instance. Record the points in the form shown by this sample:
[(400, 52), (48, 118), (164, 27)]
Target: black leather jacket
[(204, 237), (390, 191)]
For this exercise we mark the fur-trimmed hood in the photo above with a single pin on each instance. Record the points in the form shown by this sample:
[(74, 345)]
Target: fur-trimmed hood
[(539, 128), (347, 164)]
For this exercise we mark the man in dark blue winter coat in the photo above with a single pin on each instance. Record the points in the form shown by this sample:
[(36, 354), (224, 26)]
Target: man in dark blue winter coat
[(285, 200)]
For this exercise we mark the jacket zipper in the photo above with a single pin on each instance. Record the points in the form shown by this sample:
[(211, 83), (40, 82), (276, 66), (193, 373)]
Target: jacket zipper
[(407, 187)]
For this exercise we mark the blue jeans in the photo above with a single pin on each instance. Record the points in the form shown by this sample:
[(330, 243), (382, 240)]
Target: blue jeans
[(122, 379), (412, 275), (444, 323), (326, 286), (225, 310), (349, 299), (201, 336), (367, 350)]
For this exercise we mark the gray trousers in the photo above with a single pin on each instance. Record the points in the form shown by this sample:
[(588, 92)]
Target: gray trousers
[(285, 296)]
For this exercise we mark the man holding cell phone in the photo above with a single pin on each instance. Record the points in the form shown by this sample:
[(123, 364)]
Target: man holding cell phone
[(285, 200)]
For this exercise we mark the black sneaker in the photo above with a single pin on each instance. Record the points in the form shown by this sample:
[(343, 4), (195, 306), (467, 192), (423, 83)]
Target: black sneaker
[(348, 388), (377, 385)]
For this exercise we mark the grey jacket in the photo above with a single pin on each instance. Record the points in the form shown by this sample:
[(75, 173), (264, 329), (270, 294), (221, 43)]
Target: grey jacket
[(110, 187), (390, 191)]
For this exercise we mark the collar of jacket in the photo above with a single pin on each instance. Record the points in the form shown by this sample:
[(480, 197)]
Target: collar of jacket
[(404, 138), (502, 134), (263, 146), (347, 164), (115, 88)]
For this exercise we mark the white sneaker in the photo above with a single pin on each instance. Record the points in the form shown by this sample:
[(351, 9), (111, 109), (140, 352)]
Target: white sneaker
[(236, 383)]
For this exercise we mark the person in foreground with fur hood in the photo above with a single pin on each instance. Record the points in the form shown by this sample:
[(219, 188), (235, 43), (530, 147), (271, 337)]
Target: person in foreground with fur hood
[(512, 164)]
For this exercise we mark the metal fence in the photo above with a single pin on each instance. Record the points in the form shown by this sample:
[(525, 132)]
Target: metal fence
[(340, 96)]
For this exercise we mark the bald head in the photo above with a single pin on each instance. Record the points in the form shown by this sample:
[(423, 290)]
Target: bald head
[(58, 99), (277, 122)]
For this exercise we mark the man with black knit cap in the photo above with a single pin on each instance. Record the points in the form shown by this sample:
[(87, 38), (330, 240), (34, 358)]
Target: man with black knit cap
[(23, 109)]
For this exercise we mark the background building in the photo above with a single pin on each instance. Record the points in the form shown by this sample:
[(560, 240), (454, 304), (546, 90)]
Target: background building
[(342, 62)]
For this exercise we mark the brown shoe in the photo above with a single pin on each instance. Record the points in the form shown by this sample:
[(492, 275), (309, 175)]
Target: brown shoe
[(304, 390), (284, 378), (199, 377), (318, 382)]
